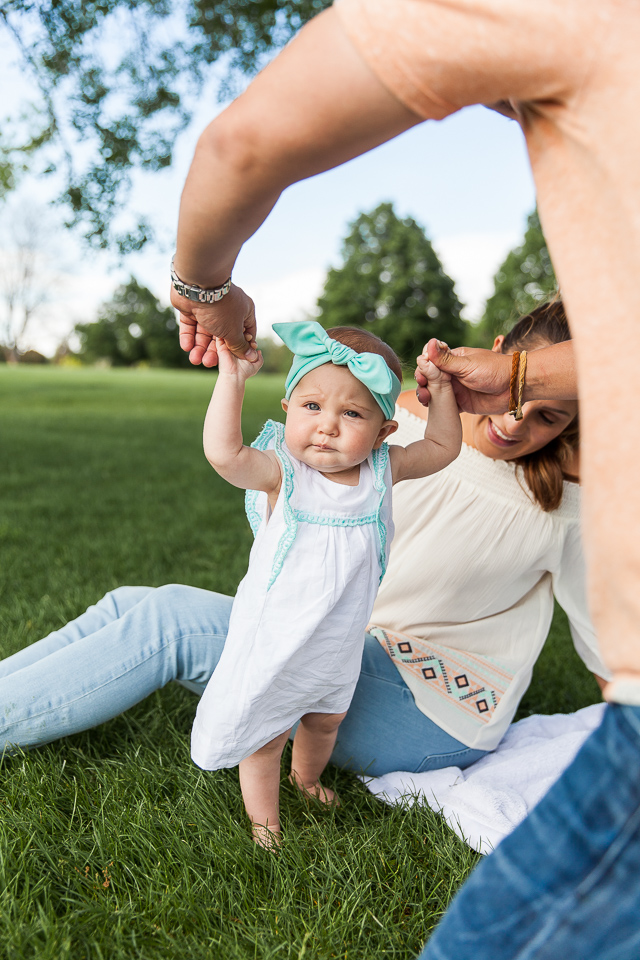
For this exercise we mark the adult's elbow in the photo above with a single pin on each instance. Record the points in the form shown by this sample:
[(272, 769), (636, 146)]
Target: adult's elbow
[(231, 145)]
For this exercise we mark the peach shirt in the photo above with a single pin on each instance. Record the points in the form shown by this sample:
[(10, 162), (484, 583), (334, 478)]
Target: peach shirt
[(569, 71)]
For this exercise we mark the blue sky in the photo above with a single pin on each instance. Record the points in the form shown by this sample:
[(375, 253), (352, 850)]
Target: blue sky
[(467, 174), (465, 179)]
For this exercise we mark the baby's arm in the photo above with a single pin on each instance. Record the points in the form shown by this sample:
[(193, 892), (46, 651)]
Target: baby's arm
[(242, 466), (442, 436)]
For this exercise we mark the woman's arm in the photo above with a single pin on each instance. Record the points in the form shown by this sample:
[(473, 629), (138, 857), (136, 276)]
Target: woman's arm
[(570, 589), (481, 377), (242, 466), (315, 106)]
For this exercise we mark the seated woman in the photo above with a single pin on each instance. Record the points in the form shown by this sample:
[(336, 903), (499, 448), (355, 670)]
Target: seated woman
[(460, 619)]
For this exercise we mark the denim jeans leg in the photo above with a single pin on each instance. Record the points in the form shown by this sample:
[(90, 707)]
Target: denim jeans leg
[(565, 884), (111, 607), (172, 633)]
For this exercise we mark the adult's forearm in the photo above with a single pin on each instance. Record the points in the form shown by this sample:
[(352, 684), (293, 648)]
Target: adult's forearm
[(215, 222), (551, 373), (292, 122)]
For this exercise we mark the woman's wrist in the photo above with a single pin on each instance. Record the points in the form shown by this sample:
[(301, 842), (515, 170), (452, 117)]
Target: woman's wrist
[(551, 373)]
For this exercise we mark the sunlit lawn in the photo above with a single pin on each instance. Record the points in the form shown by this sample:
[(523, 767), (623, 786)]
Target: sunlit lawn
[(112, 844)]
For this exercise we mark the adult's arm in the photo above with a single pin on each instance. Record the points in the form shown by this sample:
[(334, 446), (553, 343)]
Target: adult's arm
[(569, 583), (481, 377), (315, 106)]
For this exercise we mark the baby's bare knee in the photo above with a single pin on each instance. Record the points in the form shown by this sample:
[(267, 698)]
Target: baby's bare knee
[(322, 722), (273, 748)]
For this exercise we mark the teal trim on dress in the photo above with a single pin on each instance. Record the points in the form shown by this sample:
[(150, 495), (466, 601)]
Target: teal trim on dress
[(262, 442), (379, 461), (291, 523), (272, 437), (335, 521)]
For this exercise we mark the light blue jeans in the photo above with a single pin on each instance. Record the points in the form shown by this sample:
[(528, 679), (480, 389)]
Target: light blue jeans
[(137, 639), (565, 885)]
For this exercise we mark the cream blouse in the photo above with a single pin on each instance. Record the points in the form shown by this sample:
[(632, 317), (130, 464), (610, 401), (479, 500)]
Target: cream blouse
[(467, 600)]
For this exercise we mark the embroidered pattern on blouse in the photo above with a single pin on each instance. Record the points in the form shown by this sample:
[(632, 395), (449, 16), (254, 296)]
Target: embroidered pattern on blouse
[(272, 436), (473, 684)]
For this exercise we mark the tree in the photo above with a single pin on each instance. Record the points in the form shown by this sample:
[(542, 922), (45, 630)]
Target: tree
[(392, 283), (525, 279), (24, 284), (276, 357), (132, 328), (121, 78)]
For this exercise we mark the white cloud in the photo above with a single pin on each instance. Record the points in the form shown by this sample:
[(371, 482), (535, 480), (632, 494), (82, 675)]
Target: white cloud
[(471, 260), (291, 297), (75, 298)]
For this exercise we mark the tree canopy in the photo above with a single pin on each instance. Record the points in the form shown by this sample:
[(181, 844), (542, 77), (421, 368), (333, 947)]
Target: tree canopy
[(132, 328), (120, 78), (524, 280), (392, 282)]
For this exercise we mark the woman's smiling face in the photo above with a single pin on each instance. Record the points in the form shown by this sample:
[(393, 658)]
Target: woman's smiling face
[(501, 437)]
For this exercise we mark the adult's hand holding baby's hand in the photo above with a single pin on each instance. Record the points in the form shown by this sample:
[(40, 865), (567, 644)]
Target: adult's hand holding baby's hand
[(231, 319), (480, 378)]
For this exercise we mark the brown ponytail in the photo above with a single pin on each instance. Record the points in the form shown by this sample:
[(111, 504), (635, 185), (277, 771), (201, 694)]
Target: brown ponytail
[(545, 469)]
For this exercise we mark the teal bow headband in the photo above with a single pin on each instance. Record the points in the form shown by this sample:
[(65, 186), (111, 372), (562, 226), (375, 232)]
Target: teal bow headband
[(313, 347)]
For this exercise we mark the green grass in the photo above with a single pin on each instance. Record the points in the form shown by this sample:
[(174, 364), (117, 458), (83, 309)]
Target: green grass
[(112, 844)]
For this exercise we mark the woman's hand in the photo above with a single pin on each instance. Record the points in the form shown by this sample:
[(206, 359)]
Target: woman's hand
[(480, 378), (231, 320)]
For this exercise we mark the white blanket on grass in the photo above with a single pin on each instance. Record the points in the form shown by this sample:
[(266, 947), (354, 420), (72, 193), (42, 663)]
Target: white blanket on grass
[(485, 802)]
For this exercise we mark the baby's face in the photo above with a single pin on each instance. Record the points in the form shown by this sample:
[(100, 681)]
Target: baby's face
[(333, 422)]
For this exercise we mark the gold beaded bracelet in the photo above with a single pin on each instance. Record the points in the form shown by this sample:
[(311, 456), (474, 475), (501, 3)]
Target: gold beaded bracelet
[(522, 369), (515, 363)]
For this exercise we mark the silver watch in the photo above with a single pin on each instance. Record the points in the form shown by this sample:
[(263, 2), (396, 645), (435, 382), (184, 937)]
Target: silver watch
[(192, 292)]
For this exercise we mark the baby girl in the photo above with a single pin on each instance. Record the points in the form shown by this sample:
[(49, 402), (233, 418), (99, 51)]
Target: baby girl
[(319, 501)]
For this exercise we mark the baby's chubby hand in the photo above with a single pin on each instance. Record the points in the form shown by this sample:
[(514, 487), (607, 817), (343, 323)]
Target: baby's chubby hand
[(427, 374), (229, 365)]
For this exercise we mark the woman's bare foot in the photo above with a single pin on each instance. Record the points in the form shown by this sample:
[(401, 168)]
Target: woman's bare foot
[(270, 838), (315, 791)]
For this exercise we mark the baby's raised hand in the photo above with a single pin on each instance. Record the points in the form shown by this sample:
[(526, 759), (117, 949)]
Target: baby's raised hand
[(432, 374), (229, 365)]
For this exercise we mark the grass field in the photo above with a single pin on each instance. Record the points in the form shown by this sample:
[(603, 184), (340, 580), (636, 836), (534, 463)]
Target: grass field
[(112, 844)]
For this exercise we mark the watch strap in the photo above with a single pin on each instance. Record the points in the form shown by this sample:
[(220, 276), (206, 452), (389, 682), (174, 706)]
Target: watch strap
[(198, 294)]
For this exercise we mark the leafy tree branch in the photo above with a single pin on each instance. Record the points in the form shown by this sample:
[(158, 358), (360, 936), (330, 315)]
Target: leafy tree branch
[(117, 81)]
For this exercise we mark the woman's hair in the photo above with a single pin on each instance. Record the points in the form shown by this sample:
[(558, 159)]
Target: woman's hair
[(363, 341), (544, 470)]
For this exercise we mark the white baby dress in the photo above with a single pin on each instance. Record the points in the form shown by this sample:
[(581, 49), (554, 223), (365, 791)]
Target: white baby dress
[(298, 622)]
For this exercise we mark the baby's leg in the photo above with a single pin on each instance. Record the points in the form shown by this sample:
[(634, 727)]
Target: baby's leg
[(312, 746), (260, 784)]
